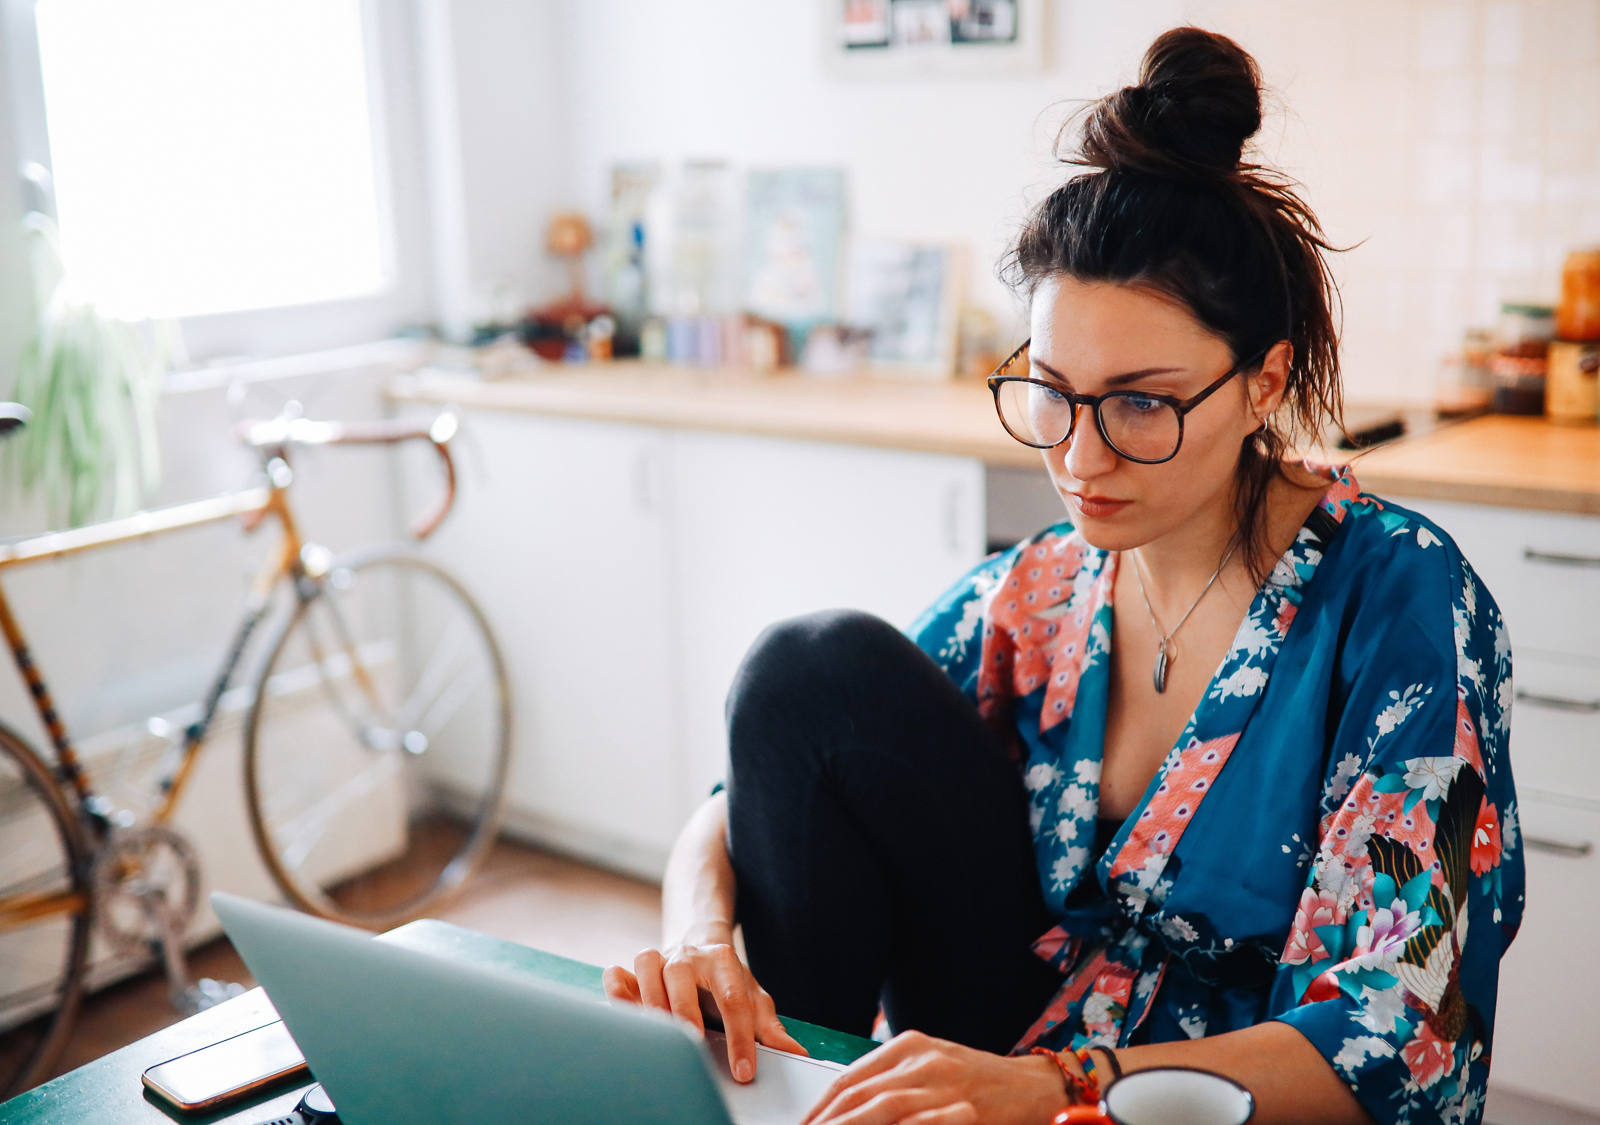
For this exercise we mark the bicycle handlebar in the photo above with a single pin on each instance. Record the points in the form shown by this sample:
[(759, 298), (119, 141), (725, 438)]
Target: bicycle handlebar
[(277, 435)]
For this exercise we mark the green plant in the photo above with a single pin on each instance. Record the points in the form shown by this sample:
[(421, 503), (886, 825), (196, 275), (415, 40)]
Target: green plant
[(91, 382)]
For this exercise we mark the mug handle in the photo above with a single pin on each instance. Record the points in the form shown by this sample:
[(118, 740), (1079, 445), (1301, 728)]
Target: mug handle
[(1081, 1115)]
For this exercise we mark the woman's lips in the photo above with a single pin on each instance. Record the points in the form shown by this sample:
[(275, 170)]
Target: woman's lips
[(1098, 506)]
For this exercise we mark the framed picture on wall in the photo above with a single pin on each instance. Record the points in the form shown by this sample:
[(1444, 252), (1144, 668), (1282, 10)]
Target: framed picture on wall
[(907, 294), (909, 38)]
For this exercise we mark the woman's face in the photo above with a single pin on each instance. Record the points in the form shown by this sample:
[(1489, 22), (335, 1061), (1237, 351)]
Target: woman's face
[(1087, 334)]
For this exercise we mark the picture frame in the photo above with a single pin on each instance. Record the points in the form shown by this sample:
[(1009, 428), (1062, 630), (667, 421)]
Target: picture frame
[(909, 295), (932, 38)]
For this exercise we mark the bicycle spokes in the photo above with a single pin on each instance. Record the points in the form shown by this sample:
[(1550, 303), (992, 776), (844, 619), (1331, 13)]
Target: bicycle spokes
[(375, 783)]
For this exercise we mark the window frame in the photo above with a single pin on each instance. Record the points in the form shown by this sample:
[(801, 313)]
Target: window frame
[(399, 164)]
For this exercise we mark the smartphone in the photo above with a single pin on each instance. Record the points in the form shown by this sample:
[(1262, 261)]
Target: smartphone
[(226, 1071)]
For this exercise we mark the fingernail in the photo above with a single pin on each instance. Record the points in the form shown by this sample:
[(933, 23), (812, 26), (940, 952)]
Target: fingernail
[(742, 1070)]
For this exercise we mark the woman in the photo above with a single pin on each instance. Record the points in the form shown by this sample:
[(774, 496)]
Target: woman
[(1212, 774)]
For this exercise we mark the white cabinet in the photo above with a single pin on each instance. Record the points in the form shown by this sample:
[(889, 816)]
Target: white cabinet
[(767, 529), (626, 570), (1543, 569), (560, 533), (1548, 1021)]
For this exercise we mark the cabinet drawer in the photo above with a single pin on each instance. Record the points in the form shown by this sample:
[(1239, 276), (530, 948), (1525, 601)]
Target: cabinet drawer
[(1543, 568), (1555, 725), (1548, 1016)]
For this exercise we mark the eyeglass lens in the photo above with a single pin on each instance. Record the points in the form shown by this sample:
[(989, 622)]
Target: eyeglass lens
[(1136, 425)]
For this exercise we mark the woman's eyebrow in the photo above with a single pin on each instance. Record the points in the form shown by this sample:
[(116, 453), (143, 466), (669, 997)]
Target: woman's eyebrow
[(1116, 380)]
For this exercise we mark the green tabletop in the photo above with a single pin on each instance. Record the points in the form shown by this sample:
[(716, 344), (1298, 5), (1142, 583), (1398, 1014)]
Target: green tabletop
[(109, 1090)]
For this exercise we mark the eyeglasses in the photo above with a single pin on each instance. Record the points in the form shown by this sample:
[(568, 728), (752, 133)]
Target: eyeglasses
[(1144, 428)]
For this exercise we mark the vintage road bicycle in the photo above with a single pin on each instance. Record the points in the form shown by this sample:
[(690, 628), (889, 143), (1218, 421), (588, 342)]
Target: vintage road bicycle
[(376, 731)]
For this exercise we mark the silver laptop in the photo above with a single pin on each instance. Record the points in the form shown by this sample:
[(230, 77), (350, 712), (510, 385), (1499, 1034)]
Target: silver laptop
[(397, 1036)]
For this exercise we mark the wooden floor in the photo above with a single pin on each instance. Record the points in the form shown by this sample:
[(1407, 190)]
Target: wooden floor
[(521, 895)]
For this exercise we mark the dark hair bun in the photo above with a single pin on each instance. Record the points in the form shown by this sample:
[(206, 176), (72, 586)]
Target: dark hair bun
[(1197, 103)]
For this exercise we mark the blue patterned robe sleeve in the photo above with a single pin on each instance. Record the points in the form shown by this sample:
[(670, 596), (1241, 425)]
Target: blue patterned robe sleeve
[(1416, 885)]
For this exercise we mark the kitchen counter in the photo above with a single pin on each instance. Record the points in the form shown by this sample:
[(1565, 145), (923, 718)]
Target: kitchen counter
[(1496, 459), (948, 416), (1507, 461)]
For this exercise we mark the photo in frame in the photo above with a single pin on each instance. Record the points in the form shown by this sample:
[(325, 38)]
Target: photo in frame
[(908, 294), (906, 38), (793, 244)]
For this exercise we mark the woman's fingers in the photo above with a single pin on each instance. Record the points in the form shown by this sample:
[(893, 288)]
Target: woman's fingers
[(620, 984), (732, 988), (683, 990), (677, 984), (860, 1072), (647, 967), (770, 1029), (887, 1107)]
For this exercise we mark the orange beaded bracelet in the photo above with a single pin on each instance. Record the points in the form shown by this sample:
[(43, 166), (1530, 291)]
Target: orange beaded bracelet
[(1081, 1089)]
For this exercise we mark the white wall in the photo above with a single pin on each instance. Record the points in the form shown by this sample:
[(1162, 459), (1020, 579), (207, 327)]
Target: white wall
[(1459, 139)]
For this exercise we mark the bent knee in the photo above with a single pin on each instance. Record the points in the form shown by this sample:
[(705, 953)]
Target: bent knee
[(799, 662)]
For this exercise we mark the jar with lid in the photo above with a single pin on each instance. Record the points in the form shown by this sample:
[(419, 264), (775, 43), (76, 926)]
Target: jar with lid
[(1521, 359), (1578, 314)]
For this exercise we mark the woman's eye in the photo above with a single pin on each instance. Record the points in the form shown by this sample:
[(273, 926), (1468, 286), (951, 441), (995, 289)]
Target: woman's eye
[(1050, 392), (1142, 404)]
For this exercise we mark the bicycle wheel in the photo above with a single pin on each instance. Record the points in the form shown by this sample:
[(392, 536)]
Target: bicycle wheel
[(377, 740), (45, 917)]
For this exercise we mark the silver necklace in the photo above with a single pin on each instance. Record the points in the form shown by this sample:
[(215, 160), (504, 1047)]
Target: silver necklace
[(1164, 650)]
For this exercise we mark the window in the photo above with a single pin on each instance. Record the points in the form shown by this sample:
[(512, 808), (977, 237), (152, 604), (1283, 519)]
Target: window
[(229, 163)]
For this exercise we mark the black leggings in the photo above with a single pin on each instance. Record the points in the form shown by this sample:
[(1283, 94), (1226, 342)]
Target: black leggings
[(880, 839)]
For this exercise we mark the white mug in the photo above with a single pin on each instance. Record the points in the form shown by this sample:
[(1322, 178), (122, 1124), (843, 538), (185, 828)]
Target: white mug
[(1167, 1095)]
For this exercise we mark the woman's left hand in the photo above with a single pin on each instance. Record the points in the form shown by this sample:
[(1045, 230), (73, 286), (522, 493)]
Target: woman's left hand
[(915, 1079)]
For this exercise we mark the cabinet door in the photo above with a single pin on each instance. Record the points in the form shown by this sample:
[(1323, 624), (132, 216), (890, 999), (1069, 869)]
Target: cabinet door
[(1548, 1016), (765, 529), (558, 532)]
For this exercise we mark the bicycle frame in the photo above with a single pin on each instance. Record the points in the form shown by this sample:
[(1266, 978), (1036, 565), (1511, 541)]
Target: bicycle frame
[(253, 505)]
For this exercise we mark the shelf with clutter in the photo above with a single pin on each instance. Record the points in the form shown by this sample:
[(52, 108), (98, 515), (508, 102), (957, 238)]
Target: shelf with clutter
[(699, 263)]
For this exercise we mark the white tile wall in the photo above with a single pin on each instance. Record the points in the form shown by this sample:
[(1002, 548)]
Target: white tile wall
[(1460, 139)]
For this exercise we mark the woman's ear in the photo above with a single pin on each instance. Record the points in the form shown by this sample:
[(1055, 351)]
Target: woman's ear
[(1265, 387)]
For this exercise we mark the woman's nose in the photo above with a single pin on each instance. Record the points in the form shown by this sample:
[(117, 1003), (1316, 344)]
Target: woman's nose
[(1087, 454)]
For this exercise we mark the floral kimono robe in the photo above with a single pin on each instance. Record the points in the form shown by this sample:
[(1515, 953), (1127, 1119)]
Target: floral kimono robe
[(1332, 842)]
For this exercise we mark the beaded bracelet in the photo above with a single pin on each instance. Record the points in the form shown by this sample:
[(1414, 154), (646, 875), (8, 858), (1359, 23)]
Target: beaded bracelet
[(1081, 1089), (1090, 1068)]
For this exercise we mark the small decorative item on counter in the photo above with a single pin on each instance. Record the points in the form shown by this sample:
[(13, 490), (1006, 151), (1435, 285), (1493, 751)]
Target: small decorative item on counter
[(836, 349), (1574, 391), (764, 344), (1521, 360), (653, 340), (551, 330), (977, 342), (1465, 386), (598, 337), (683, 337), (1578, 314)]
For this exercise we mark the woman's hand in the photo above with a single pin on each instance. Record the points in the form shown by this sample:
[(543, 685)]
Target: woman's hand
[(915, 1079), (706, 964)]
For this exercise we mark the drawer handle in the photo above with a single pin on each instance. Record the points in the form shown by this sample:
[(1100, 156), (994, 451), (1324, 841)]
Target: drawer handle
[(1558, 702), (1558, 847), (1559, 558)]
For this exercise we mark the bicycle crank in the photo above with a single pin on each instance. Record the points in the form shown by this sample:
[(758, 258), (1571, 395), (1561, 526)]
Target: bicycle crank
[(147, 888)]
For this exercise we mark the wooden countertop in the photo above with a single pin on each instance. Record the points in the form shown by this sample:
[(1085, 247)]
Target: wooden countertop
[(947, 416), (1507, 461), (1497, 459)]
